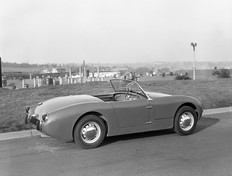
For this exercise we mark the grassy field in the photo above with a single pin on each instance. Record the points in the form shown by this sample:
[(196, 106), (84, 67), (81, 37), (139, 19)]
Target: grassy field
[(211, 93)]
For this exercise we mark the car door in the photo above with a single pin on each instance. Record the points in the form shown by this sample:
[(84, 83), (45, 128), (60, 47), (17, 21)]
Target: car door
[(132, 113)]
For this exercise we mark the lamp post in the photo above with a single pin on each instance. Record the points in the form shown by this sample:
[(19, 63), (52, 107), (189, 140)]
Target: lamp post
[(0, 72), (194, 60)]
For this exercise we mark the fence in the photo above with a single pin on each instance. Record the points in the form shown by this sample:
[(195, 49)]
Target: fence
[(39, 82)]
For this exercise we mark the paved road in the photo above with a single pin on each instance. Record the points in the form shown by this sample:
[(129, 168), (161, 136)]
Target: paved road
[(206, 152)]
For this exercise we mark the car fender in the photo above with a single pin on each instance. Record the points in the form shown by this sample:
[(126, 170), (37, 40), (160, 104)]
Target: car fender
[(60, 123), (166, 107)]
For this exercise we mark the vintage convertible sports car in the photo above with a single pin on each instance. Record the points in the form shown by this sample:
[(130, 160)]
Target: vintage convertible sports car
[(87, 119)]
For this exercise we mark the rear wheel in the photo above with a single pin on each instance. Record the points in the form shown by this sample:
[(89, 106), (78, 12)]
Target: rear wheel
[(90, 132), (185, 121)]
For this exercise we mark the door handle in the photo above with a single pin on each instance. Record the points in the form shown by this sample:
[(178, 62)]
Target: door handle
[(148, 107)]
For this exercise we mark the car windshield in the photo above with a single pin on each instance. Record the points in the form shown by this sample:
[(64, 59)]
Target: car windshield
[(120, 85)]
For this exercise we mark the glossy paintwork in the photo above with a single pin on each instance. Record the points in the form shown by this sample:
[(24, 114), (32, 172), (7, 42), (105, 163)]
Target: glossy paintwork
[(121, 117), (133, 113), (57, 103)]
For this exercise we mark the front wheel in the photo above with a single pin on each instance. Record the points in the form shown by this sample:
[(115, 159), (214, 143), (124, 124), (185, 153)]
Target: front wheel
[(185, 121), (90, 132)]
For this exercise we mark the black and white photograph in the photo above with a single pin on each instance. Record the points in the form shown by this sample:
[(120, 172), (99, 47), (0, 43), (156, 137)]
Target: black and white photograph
[(116, 87)]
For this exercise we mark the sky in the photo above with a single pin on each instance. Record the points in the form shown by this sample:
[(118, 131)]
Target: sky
[(115, 31)]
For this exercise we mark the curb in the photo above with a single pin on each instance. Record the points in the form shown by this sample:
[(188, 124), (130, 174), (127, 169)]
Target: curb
[(217, 111), (21, 134), (35, 133)]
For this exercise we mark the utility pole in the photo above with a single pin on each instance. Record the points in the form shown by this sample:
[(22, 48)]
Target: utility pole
[(0, 72), (84, 69), (194, 60)]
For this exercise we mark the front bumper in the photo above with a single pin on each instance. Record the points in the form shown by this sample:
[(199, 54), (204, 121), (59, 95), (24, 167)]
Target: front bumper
[(33, 120)]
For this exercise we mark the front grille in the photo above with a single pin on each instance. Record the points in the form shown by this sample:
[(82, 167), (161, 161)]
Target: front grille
[(33, 120)]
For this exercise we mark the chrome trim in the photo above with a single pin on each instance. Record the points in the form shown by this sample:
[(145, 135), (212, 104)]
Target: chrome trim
[(186, 121), (90, 132), (147, 123)]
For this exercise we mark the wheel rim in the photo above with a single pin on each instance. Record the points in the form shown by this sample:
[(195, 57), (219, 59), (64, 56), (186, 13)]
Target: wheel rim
[(90, 132), (186, 121)]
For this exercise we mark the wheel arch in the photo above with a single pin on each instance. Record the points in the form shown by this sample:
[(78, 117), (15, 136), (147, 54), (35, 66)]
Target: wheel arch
[(90, 113), (182, 105)]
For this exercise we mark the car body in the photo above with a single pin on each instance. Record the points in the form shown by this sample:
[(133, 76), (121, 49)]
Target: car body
[(88, 119)]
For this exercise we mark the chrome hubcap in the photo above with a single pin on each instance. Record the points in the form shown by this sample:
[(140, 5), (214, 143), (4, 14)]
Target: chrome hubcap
[(186, 121), (90, 132)]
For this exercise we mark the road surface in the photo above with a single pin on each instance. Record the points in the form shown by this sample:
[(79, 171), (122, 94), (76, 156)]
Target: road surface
[(207, 152)]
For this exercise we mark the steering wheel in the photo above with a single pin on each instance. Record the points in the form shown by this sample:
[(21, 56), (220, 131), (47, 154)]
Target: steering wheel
[(128, 97), (132, 96)]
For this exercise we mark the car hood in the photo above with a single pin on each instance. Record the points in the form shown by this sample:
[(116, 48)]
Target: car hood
[(153, 95), (57, 103)]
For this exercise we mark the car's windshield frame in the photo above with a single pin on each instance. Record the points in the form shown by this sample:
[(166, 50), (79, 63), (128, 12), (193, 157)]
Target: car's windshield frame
[(121, 85)]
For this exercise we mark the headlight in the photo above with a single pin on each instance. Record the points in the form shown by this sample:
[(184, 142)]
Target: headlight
[(45, 117)]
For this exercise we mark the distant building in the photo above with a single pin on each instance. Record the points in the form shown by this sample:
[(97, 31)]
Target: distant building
[(61, 70), (106, 74), (163, 71), (47, 70), (53, 70)]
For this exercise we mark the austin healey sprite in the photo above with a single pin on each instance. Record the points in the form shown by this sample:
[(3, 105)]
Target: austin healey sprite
[(88, 119)]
